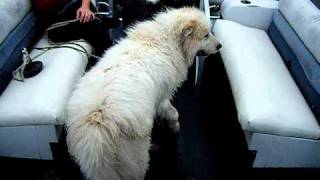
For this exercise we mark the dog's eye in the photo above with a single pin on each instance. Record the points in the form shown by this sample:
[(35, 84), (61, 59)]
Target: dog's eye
[(206, 36)]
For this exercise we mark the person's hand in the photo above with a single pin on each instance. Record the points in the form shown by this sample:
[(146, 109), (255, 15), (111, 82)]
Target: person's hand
[(84, 14)]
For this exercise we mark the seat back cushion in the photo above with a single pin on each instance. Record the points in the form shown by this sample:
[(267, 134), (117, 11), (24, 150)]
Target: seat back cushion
[(292, 46), (304, 18), (11, 13)]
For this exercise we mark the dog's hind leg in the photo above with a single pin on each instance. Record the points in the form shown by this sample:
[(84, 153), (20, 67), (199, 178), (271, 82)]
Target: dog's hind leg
[(133, 158), (167, 111)]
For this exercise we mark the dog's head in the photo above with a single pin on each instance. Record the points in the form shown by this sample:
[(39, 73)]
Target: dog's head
[(193, 32)]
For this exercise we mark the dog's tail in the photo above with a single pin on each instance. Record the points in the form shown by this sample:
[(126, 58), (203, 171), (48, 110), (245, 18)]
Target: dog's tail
[(92, 142)]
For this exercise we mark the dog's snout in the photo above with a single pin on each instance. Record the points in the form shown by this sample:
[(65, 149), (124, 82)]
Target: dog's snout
[(219, 46)]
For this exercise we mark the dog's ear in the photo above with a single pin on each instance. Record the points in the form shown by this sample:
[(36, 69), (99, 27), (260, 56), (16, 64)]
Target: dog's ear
[(188, 29), (186, 32)]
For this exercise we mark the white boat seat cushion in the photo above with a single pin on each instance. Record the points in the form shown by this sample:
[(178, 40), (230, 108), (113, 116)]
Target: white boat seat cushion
[(267, 98), (41, 100)]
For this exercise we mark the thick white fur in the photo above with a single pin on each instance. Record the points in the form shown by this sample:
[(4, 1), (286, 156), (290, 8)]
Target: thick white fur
[(111, 111)]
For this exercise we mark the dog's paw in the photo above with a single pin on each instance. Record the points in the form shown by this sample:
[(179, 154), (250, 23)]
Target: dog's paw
[(152, 1), (174, 115), (175, 126)]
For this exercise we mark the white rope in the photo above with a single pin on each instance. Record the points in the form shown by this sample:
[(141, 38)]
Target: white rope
[(67, 22), (18, 73), (60, 24)]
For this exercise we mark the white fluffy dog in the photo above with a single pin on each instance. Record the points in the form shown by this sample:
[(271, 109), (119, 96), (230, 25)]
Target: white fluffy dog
[(112, 110)]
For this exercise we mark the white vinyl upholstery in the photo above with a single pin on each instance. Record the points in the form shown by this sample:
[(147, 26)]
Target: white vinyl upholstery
[(40, 100), (11, 13), (304, 17), (267, 98), (257, 14)]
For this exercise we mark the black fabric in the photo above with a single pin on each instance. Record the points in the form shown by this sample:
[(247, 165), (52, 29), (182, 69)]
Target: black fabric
[(48, 6), (139, 10), (316, 2)]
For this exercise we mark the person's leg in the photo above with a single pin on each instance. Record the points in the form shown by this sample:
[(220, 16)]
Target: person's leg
[(96, 33), (68, 32)]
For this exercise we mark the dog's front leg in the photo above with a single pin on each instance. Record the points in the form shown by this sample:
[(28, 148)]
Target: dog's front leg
[(168, 111)]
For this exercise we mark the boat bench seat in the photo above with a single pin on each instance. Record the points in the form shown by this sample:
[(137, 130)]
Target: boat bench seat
[(32, 111), (40, 100), (274, 76), (267, 98)]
